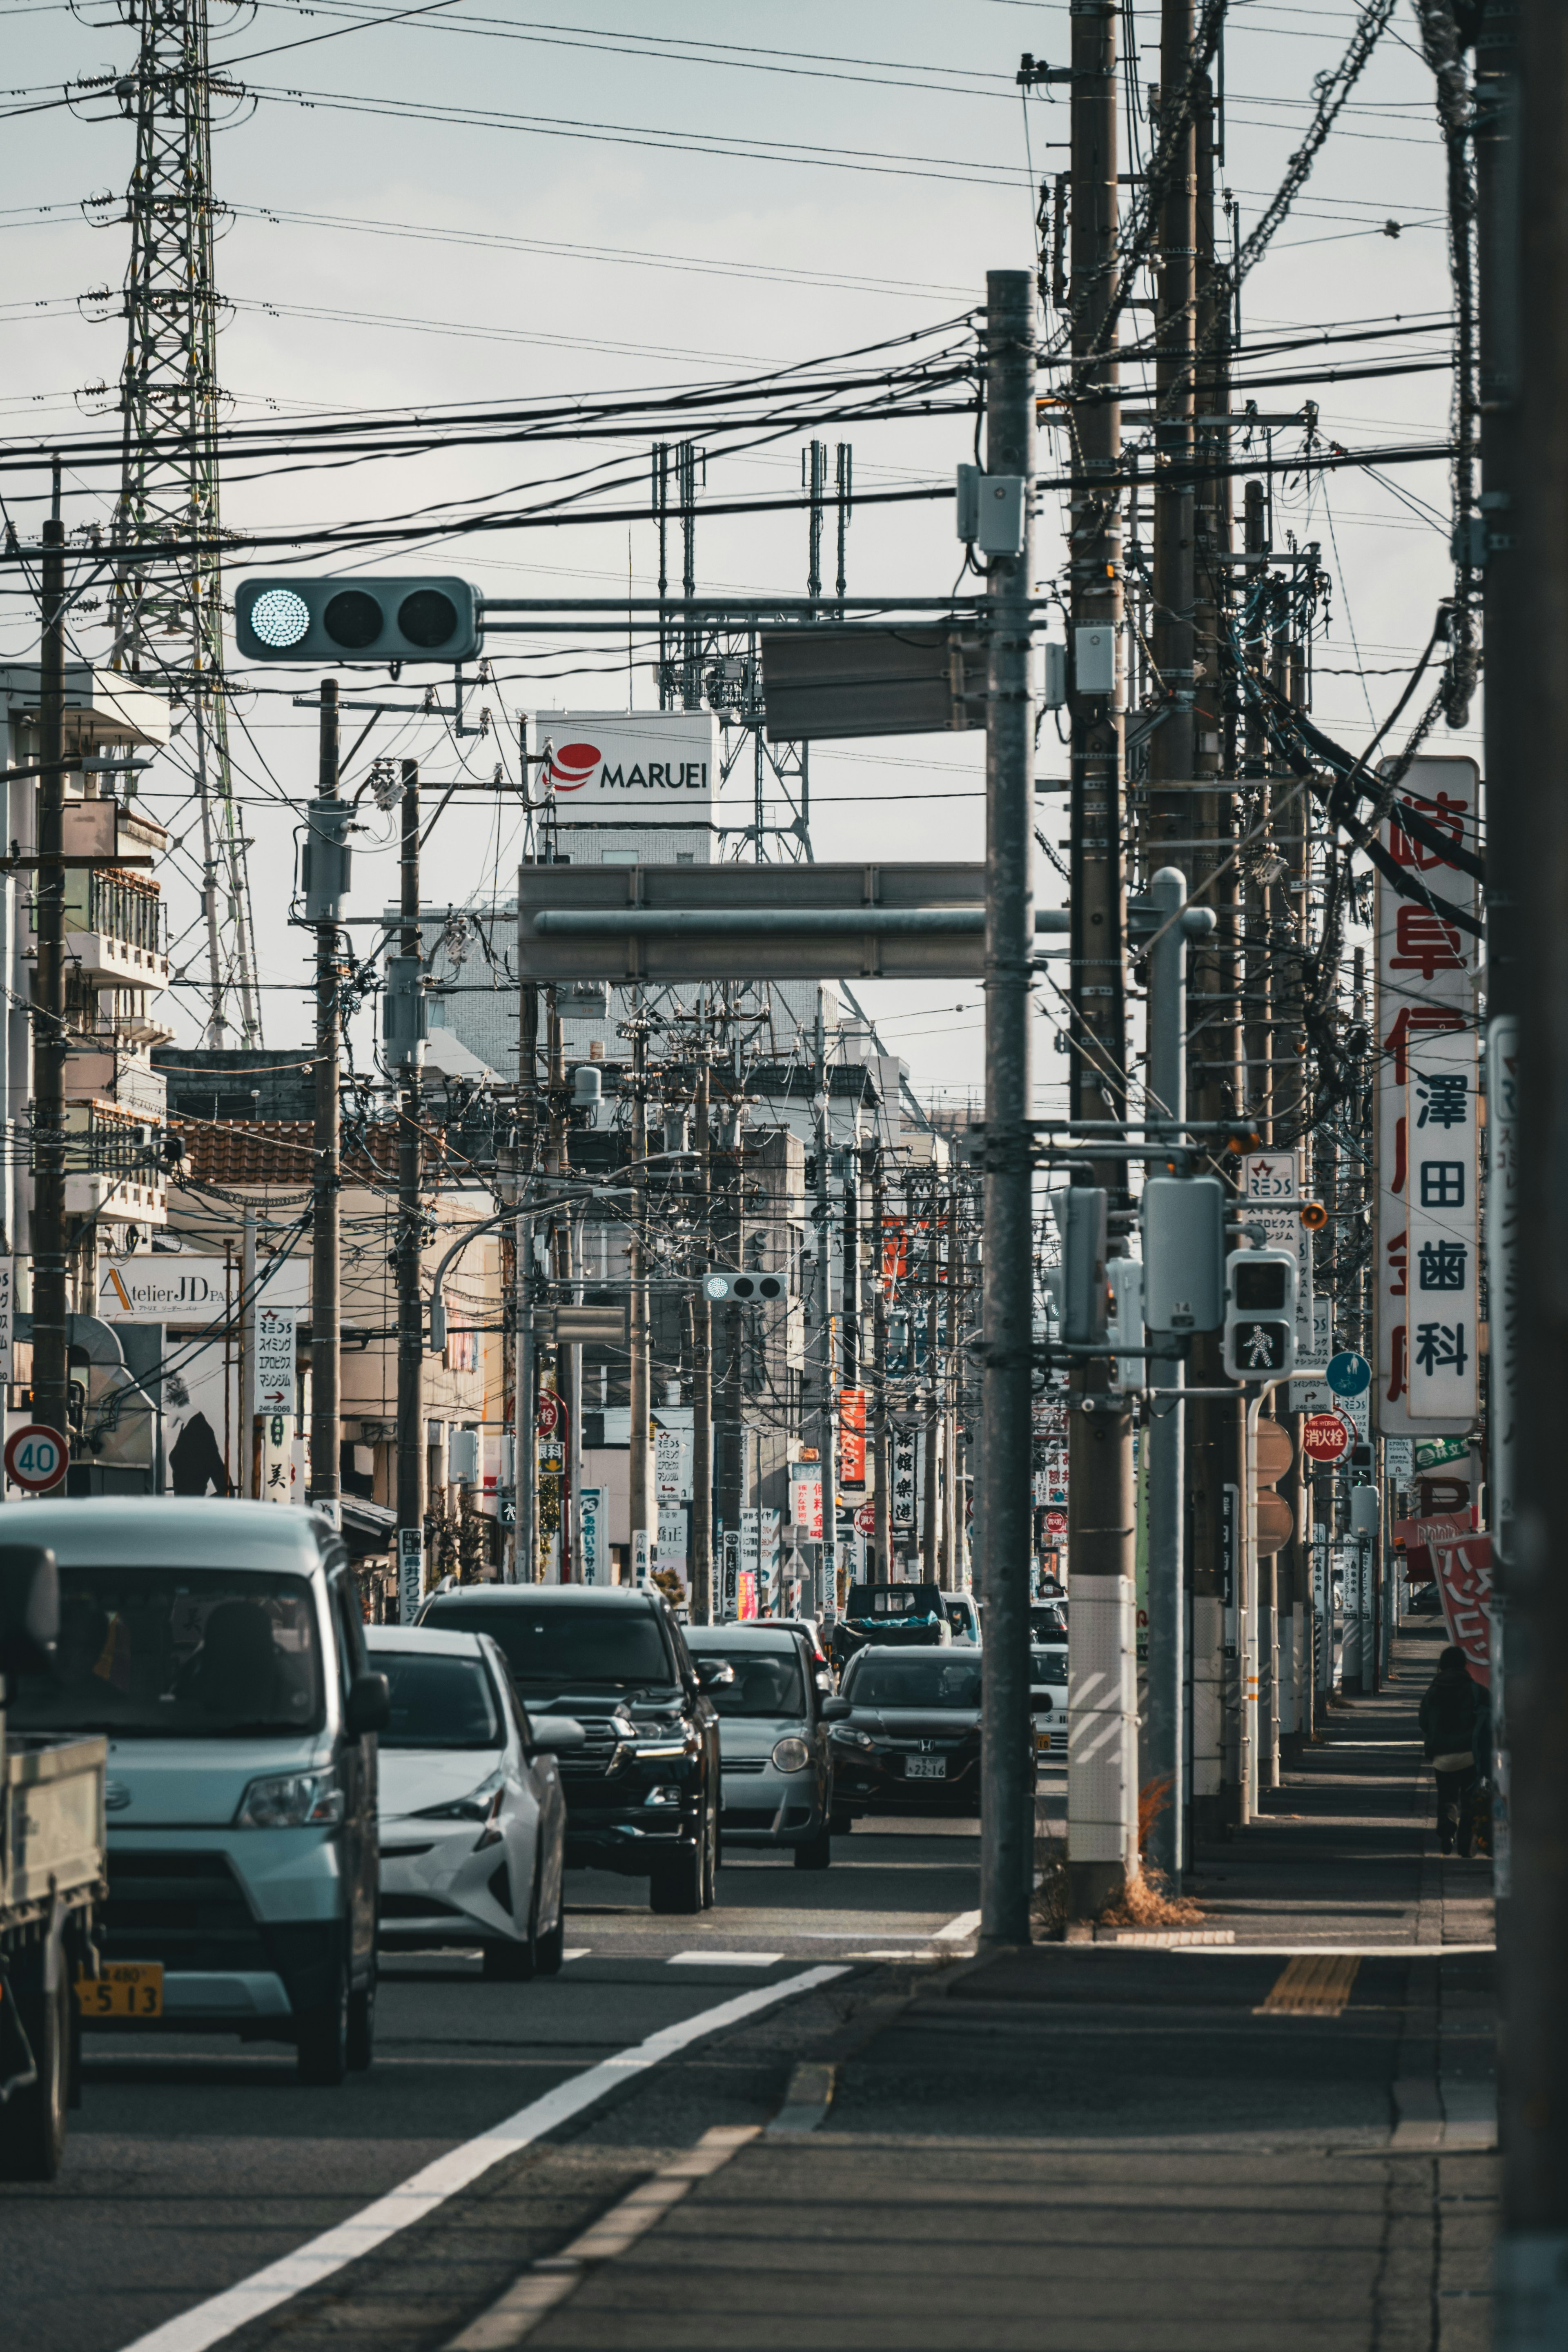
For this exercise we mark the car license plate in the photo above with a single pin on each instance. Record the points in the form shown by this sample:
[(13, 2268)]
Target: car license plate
[(925, 1767), (122, 1988), (1042, 1741)]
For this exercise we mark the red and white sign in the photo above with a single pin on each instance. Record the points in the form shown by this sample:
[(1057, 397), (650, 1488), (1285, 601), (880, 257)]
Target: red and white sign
[(866, 1520), (1428, 1227), (1325, 1437), (852, 1441), (1056, 1523), (1465, 1582), (653, 767), (551, 1413), (36, 1458), (805, 1500)]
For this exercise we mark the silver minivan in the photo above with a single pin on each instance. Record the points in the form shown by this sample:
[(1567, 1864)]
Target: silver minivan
[(218, 1648)]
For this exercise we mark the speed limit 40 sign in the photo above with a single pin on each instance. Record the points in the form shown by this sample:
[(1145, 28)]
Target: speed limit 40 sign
[(36, 1458)]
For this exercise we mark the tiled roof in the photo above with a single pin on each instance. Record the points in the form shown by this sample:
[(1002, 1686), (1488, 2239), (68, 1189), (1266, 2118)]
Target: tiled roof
[(282, 1151)]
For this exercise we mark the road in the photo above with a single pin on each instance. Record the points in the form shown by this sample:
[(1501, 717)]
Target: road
[(195, 2164)]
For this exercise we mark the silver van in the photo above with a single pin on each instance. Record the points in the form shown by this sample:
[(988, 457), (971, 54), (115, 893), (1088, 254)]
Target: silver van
[(217, 1647)]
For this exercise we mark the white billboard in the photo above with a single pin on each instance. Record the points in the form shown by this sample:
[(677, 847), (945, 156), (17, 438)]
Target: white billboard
[(654, 767)]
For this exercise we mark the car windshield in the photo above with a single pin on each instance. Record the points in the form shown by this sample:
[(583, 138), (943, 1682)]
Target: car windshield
[(178, 1654), (1048, 1665), (767, 1681), (1046, 1624), (912, 1681), (437, 1702), (561, 1645)]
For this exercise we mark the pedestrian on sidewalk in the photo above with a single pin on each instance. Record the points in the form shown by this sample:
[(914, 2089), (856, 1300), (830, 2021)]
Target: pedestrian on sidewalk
[(1448, 1725)]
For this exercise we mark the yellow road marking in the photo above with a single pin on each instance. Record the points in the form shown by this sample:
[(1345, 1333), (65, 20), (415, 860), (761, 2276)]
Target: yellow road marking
[(1314, 1984)]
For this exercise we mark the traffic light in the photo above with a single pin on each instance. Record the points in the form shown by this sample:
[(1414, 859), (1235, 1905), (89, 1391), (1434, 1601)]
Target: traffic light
[(426, 619), (743, 1290), (1083, 1293), (1183, 1254), (1259, 1314)]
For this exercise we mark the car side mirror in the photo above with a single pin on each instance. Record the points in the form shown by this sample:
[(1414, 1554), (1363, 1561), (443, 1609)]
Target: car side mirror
[(714, 1674), (369, 1706), (835, 1710), (552, 1735), (30, 1609)]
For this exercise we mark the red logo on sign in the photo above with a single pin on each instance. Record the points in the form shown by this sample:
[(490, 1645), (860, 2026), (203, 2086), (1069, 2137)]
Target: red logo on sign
[(569, 769), (866, 1520), (1325, 1437)]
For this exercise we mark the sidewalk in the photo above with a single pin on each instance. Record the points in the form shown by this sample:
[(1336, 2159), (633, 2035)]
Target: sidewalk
[(1281, 2142)]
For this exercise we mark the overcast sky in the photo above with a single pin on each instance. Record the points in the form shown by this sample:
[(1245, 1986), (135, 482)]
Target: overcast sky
[(476, 203)]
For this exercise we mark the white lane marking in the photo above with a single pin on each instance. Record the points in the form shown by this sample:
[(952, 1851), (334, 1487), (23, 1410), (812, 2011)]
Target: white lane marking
[(210, 2322), (966, 1924), (723, 1959), (580, 1952), (1333, 1951)]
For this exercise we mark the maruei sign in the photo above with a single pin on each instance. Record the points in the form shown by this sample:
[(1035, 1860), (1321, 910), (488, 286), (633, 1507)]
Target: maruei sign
[(618, 768), (1429, 1068)]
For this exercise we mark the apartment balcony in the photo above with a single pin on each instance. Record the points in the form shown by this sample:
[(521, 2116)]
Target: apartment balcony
[(113, 1169)]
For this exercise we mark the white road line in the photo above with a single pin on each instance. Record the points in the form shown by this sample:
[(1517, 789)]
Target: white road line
[(718, 1960), (966, 1924), (210, 2322), (580, 1952)]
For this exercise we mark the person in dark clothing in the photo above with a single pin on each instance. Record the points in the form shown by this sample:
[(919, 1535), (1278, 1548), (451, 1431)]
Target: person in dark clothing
[(1447, 1726)]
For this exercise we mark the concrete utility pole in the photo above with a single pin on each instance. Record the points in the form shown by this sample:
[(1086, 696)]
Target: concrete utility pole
[(249, 1434), (326, 1418), (826, 1432), (702, 1609), (1524, 380), (410, 1302), (1102, 1771), (51, 1305), (1007, 1816), (525, 1404), (930, 1530), (644, 1519)]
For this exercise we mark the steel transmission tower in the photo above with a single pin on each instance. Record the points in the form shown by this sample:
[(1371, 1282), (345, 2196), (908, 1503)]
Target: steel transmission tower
[(168, 596)]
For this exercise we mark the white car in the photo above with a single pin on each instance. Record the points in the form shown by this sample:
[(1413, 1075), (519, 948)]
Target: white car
[(473, 1821), (1048, 1699)]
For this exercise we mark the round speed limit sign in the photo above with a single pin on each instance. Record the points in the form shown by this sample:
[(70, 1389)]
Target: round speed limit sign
[(36, 1458)]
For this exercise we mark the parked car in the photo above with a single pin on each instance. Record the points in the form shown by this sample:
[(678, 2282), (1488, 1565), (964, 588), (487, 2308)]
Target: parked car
[(775, 1755), (643, 1790), (1426, 1601), (910, 1742), (963, 1616), (1048, 1699), (473, 1820), (1048, 1620), (889, 1613), (218, 1647), (810, 1631)]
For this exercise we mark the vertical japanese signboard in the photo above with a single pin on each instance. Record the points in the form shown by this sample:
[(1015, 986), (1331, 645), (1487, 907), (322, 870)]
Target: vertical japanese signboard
[(8, 1317), (1428, 1066), (903, 1497), (805, 1500), (852, 1441), (274, 1361), (590, 1533)]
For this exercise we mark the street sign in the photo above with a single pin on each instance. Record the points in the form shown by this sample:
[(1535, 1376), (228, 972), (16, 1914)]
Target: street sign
[(410, 1573), (1325, 1437), (866, 1520), (1349, 1374), (274, 1360), (36, 1458), (550, 1413), (866, 680)]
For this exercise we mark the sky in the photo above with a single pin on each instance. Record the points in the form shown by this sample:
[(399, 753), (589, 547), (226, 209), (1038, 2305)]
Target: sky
[(469, 202)]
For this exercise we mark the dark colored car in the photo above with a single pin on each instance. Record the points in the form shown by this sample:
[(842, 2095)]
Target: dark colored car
[(915, 1614), (1426, 1601), (911, 1743), (643, 1790), (1047, 1623)]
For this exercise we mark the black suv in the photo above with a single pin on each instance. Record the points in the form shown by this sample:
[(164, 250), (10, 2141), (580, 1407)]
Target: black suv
[(642, 1793)]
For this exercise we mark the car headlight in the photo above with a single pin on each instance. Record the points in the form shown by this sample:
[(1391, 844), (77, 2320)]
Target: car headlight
[(481, 1804), (855, 1739), (291, 1800), (792, 1754), (663, 1748)]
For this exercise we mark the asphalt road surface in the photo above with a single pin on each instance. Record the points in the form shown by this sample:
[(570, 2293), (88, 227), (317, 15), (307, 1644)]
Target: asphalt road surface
[(195, 2164)]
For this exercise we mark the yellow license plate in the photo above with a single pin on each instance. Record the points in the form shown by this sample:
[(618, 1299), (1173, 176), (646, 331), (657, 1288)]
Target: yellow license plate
[(122, 1988), (1042, 1741)]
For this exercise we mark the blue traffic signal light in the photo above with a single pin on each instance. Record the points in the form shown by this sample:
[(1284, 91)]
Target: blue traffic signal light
[(429, 618)]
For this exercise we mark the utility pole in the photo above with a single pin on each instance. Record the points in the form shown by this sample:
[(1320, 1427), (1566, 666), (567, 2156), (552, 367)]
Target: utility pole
[(828, 1448), (525, 1406), (1102, 1792), (249, 1434), (1524, 375), (702, 1611), (644, 1522), (326, 1433), (410, 1301), (51, 1307), (1007, 1815), (931, 1541)]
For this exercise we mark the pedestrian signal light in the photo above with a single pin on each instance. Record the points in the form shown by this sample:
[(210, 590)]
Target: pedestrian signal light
[(744, 1289), (427, 617), (1260, 1314)]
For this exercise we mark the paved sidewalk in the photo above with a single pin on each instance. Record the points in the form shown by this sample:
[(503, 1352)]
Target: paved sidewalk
[(1090, 2148)]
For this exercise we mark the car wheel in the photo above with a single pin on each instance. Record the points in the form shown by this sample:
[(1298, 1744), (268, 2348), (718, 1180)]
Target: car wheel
[(817, 1851), (33, 2122), (677, 1881), (321, 2040), (550, 1949), (510, 1963), (361, 2027)]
